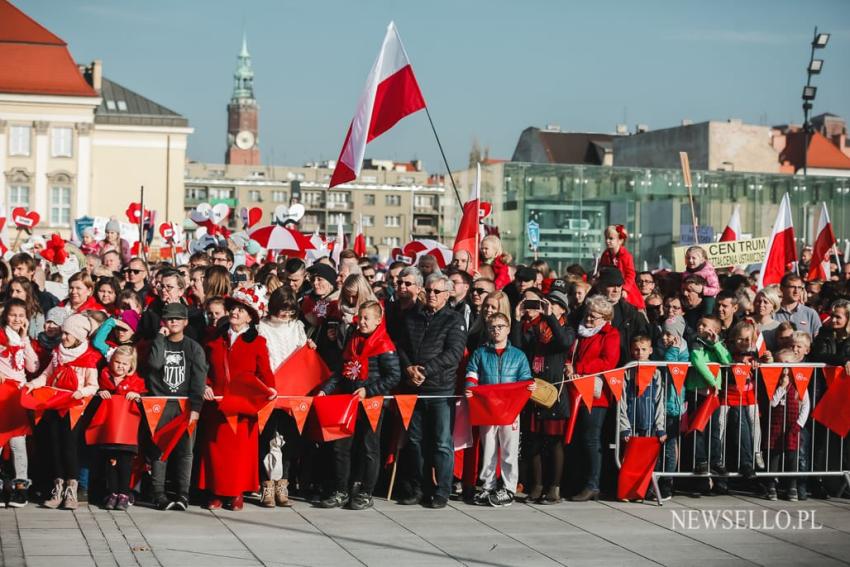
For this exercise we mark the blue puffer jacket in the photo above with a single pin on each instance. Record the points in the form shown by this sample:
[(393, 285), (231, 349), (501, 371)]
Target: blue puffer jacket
[(485, 366)]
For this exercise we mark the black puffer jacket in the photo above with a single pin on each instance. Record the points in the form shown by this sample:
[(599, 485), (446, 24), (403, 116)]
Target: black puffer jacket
[(384, 375), (434, 341)]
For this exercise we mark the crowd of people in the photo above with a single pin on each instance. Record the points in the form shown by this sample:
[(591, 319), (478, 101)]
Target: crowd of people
[(200, 331)]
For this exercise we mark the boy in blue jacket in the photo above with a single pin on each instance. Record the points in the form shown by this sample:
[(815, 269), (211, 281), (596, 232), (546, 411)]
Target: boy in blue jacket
[(498, 362)]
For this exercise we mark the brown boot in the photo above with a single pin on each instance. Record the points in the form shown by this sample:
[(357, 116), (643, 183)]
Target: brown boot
[(267, 497), (281, 492), (56, 495), (553, 496), (585, 495), (69, 498), (535, 493)]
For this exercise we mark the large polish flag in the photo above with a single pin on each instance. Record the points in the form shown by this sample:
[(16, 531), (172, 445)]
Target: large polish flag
[(733, 229), (781, 248), (824, 244), (390, 94), (468, 232)]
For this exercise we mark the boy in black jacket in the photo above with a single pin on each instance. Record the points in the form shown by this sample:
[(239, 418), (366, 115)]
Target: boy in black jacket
[(370, 368), (177, 366)]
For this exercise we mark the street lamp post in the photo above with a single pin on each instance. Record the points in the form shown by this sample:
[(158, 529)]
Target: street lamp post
[(819, 41)]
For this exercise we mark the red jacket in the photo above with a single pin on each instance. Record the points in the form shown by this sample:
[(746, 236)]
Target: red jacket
[(249, 356), (130, 383), (599, 353), (624, 262)]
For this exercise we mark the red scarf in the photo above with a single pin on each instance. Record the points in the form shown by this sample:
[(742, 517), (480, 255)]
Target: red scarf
[(89, 304), (64, 377), (360, 348), (544, 331), (15, 354), (131, 383)]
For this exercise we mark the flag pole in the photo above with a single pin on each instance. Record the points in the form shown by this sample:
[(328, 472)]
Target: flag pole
[(445, 161), (142, 226)]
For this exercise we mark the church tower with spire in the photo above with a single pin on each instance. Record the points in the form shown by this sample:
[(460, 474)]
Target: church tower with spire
[(242, 114)]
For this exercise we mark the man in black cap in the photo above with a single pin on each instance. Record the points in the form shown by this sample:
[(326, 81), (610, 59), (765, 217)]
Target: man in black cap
[(177, 366), (525, 278), (627, 319)]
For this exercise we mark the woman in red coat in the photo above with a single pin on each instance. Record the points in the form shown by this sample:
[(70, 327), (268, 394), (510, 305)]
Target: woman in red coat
[(596, 350), (616, 255), (239, 367)]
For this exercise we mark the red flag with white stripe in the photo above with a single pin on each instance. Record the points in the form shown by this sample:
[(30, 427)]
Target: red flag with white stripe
[(733, 229), (781, 248), (390, 94), (824, 245)]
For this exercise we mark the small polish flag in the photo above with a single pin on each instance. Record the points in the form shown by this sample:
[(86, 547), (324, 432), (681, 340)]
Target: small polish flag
[(339, 242), (390, 94), (824, 245), (468, 233), (761, 348), (781, 248), (733, 229)]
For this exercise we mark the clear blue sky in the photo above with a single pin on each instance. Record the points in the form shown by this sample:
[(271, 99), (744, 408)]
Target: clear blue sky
[(487, 69)]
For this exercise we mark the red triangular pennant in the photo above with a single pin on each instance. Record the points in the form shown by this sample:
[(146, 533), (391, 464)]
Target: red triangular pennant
[(153, 411), (167, 436), (802, 375), (615, 379), (678, 373), (405, 404), (76, 412), (373, 406), (770, 377), (584, 388), (264, 414), (741, 373), (644, 377), (298, 408)]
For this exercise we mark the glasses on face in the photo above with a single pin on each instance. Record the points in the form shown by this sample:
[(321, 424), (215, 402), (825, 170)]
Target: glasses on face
[(402, 283), (434, 291), (592, 317), (480, 290), (133, 271), (645, 282), (498, 327)]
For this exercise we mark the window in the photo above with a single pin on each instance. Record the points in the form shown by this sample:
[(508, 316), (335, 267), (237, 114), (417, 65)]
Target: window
[(19, 141), (61, 142), (255, 196), (19, 196), (279, 196), (393, 200), (313, 199), (369, 199), (368, 220), (60, 206), (392, 221), (370, 241), (392, 241), (222, 193), (423, 202), (196, 193)]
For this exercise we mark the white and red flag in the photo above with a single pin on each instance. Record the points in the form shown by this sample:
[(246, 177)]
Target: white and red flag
[(733, 229), (781, 247), (359, 245), (339, 241), (390, 94), (468, 233), (824, 245)]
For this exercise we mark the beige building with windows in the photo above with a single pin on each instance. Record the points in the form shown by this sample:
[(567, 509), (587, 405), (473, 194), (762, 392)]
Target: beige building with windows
[(73, 143), (395, 202)]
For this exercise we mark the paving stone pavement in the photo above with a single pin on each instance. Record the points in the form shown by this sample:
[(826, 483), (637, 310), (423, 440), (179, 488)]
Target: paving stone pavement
[(574, 534)]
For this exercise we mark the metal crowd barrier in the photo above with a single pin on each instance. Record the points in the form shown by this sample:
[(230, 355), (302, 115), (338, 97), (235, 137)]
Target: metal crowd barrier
[(751, 428)]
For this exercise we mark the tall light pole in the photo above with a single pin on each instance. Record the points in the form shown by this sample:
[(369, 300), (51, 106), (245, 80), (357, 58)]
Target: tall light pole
[(819, 41)]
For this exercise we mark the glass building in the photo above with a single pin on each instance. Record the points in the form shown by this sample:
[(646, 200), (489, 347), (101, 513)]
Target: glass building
[(574, 203)]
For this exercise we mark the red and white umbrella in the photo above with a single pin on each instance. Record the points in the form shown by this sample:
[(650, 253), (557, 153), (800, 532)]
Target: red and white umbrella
[(418, 248), (276, 237)]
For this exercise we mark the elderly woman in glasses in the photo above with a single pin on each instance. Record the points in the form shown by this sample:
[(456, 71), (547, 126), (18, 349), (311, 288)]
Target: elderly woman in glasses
[(597, 350)]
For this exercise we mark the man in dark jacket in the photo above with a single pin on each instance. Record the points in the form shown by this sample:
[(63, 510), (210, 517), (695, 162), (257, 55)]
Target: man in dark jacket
[(627, 319), (431, 345)]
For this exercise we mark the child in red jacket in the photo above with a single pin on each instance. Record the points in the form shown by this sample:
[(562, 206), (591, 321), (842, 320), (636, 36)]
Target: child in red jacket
[(616, 255), (120, 379)]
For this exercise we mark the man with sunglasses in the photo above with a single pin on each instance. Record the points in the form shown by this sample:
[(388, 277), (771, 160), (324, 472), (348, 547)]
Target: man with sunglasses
[(480, 288), (430, 345), (136, 278)]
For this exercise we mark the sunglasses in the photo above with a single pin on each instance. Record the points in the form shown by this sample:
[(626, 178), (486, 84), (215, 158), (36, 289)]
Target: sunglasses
[(402, 283), (133, 271), (479, 290), (434, 291)]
